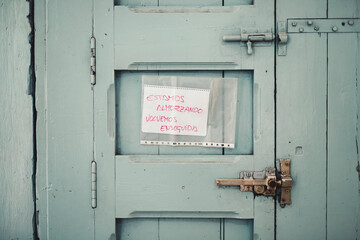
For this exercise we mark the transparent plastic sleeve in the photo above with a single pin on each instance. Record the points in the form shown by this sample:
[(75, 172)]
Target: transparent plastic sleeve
[(188, 111)]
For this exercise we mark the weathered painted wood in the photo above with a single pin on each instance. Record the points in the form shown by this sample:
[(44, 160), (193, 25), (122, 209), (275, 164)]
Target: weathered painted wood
[(238, 229), (184, 228), (183, 3), (300, 9), (264, 123), (104, 120), (343, 8), (136, 3), (301, 135), (191, 229), (203, 3), (153, 192), (238, 2), (41, 138), (301, 123), (64, 123), (16, 123), (343, 196), (183, 40), (137, 229), (180, 186)]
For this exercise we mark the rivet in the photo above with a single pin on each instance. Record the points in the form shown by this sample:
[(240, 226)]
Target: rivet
[(316, 28), (294, 24), (334, 28), (351, 22), (301, 29), (309, 22)]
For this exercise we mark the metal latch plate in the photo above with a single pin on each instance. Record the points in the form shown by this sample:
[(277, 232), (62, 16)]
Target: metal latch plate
[(264, 182), (318, 25)]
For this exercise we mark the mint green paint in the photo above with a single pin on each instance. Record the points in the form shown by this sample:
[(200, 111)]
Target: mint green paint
[(64, 123), (316, 84), (343, 137), (16, 123)]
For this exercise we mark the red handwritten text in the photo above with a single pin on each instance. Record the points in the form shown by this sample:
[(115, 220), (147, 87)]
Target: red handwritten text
[(175, 98), (160, 118), (179, 129), (179, 108)]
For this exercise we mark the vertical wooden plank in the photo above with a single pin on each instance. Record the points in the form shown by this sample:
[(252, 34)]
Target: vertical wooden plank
[(104, 119), (301, 123), (238, 229), (16, 123), (301, 134), (300, 9), (343, 208), (137, 229), (191, 229), (128, 113), (65, 124), (41, 136), (343, 8), (264, 120)]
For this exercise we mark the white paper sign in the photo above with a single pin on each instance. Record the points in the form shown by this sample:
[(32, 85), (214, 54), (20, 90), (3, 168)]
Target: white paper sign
[(175, 110)]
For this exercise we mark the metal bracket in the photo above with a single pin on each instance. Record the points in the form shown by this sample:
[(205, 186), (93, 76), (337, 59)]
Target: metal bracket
[(264, 182), (283, 39), (329, 25), (286, 183)]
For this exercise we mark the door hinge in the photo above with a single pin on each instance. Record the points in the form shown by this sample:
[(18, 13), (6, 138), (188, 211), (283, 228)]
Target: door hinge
[(268, 182), (328, 25), (93, 184), (92, 61)]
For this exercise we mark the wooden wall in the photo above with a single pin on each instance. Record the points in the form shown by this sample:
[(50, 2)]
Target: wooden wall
[(16, 122)]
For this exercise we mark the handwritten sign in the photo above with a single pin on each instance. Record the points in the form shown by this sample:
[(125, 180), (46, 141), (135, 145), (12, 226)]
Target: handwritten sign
[(175, 110)]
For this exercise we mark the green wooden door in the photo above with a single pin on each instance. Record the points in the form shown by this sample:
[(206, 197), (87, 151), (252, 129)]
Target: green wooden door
[(166, 192)]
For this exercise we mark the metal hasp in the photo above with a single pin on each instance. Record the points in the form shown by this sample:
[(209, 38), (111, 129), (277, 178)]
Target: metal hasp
[(265, 182), (249, 38), (329, 25)]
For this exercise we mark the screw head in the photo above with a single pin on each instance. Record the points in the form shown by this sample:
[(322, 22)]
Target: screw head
[(351, 22), (301, 29), (309, 22), (316, 28), (294, 24), (334, 28)]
